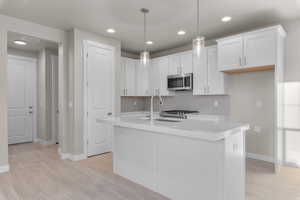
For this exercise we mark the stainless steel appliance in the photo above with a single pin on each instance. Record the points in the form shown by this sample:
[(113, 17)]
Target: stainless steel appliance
[(182, 114), (180, 82)]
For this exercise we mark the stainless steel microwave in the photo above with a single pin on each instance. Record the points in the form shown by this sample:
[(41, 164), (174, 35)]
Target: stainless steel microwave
[(180, 82)]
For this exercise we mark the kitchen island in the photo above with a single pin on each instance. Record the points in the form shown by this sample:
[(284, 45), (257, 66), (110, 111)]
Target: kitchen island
[(183, 159)]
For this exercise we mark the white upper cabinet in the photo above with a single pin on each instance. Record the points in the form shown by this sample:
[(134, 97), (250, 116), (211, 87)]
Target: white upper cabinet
[(174, 64), (208, 80), (260, 49), (128, 75), (186, 59), (200, 73), (154, 76), (181, 63), (215, 78), (248, 50), (123, 76), (142, 79), (230, 53), (158, 74)]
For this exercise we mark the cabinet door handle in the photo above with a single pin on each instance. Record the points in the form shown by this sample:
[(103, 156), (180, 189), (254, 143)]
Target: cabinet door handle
[(240, 61), (245, 60)]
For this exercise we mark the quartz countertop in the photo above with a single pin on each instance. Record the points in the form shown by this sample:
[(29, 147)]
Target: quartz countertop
[(204, 127)]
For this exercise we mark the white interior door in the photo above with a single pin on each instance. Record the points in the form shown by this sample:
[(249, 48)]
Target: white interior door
[(21, 99), (99, 98)]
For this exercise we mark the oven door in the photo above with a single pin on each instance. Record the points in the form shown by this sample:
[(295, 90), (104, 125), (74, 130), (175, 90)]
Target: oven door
[(175, 82)]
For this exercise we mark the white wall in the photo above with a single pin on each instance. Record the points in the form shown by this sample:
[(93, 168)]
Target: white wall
[(292, 56), (252, 101), (45, 96)]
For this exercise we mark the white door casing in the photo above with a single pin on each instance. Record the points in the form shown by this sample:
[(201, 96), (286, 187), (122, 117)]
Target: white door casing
[(21, 99), (99, 97), (54, 99)]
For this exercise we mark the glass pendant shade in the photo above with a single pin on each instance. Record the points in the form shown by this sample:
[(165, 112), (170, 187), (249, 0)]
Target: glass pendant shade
[(198, 45), (145, 58)]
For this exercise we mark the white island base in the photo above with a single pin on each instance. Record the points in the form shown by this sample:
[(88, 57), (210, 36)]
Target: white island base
[(182, 168)]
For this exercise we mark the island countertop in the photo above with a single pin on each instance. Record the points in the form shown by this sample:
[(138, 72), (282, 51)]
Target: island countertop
[(202, 127)]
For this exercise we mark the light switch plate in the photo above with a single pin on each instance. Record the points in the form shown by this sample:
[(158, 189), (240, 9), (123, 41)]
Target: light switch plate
[(257, 129), (216, 103), (258, 103)]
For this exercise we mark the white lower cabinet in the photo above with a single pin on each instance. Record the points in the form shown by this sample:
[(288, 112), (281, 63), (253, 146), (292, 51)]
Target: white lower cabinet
[(207, 78), (182, 168)]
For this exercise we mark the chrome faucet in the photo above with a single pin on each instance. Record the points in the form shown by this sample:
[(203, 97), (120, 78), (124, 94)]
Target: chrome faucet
[(161, 102)]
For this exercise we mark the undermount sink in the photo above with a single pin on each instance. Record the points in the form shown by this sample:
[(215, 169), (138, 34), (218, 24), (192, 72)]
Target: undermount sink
[(166, 120), (160, 119)]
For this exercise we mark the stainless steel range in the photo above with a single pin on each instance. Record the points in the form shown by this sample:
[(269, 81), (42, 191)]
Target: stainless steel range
[(182, 114)]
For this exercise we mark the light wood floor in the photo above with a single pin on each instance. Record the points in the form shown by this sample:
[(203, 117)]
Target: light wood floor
[(37, 173)]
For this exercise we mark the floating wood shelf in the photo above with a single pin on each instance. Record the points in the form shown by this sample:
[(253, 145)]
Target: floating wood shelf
[(252, 69)]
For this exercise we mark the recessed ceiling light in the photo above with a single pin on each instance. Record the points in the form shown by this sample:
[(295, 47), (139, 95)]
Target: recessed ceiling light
[(181, 32), (149, 42), (20, 42), (110, 30), (226, 19)]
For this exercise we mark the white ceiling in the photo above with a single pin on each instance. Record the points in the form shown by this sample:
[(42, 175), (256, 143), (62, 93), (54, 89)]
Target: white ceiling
[(166, 17), (33, 44)]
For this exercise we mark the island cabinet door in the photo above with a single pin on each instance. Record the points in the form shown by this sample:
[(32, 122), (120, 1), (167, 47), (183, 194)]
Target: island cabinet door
[(234, 167), (135, 156), (188, 169)]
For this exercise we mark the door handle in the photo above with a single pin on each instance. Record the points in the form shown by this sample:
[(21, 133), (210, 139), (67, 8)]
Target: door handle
[(30, 112), (30, 107), (245, 60), (109, 114)]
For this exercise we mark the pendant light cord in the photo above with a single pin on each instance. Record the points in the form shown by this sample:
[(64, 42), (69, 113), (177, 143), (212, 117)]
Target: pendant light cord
[(145, 31), (198, 18)]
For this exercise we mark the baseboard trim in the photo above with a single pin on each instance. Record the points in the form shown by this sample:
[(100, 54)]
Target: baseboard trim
[(79, 157), (44, 142), (67, 156), (4, 169), (260, 157)]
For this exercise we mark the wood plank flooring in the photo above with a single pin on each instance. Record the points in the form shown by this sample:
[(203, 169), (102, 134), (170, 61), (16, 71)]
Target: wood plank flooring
[(37, 173)]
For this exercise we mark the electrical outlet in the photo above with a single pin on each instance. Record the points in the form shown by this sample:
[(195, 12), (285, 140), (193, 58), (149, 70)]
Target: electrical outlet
[(216, 104), (257, 129), (258, 103)]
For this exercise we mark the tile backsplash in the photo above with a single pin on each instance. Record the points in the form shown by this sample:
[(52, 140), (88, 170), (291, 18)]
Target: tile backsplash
[(182, 100), (133, 104)]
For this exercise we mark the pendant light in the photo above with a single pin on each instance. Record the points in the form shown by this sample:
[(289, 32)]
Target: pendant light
[(199, 41), (145, 56)]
